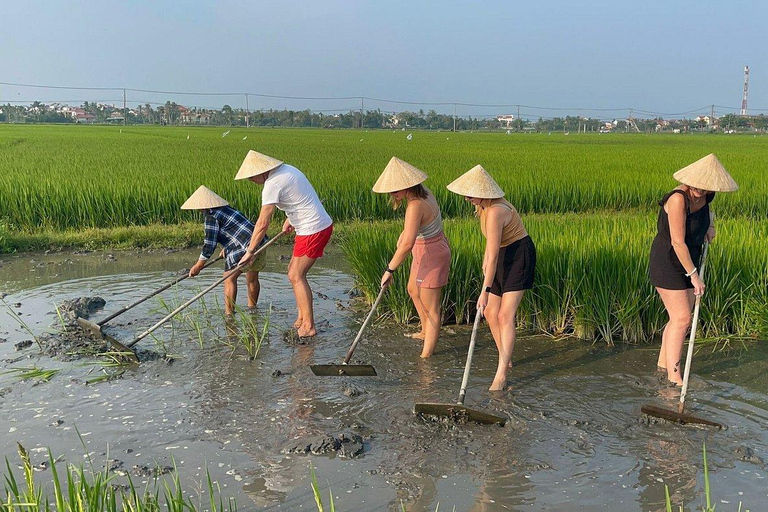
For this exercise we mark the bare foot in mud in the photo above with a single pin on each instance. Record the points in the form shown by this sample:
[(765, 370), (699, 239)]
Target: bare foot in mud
[(306, 333), (498, 385), (297, 323), (675, 383), (416, 335)]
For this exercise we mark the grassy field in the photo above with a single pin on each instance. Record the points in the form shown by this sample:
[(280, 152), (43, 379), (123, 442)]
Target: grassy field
[(60, 177), (588, 200)]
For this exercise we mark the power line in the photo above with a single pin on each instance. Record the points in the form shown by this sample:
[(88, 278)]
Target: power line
[(372, 99)]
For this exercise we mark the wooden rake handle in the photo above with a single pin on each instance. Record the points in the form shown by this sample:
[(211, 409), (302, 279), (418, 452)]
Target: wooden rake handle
[(692, 338), (365, 324), (206, 290), (470, 351), (159, 290)]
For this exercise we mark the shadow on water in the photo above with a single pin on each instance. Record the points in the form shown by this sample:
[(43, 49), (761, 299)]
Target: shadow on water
[(575, 439)]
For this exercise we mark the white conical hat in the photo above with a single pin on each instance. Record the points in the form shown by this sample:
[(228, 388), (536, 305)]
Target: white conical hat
[(707, 174), (476, 182), (202, 199), (398, 175), (255, 163)]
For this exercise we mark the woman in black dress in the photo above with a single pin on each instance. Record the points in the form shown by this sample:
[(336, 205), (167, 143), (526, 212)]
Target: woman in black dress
[(684, 224)]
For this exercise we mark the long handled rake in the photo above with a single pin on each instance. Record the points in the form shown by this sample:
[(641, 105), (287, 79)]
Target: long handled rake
[(680, 416), (459, 409)]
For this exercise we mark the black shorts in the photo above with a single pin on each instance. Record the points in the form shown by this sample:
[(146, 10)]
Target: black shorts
[(515, 267)]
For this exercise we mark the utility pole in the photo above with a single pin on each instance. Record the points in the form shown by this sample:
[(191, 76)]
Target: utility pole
[(712, 117), (454, 118), (247, 112), (519, 121), (362, 112), (125, 109)]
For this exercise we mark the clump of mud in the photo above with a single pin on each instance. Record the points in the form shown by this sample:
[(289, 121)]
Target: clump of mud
[(118, 467), (348, 446), (71, 344), (69, 310), (452, 418), (747, 454)]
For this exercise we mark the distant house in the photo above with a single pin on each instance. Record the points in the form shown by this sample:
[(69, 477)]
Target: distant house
[(506, 120), (80, 115), (607, 127), (706, 119), (116, 116), (188, 116)]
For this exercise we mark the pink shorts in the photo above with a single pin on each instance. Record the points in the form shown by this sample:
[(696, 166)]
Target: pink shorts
[(431, 261), (312, 245)]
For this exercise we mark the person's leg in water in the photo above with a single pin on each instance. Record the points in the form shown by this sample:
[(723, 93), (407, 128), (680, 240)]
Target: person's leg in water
[(510, 301), (678, 304), (230, 292), (415, 293), (254, 288), (297, 275), (431, 299)]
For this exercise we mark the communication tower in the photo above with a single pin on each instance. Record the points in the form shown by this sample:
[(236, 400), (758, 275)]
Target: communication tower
[(746, 85)]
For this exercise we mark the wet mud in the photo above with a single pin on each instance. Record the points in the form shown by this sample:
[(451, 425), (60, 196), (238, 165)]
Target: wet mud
[(574, 437)]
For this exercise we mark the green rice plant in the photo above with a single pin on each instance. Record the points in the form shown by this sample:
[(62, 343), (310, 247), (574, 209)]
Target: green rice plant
[(591, 276), (38, 374), (41, 174), (709, 507), (91, 491), (250, 336), (21, 322), (316, 493)]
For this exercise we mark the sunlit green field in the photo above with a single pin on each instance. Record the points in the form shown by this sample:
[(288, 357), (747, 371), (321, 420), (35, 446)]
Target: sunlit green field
[(96, 176), (588, 200)]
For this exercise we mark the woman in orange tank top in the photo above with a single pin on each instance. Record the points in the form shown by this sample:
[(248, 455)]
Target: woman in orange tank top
[(508, 264)]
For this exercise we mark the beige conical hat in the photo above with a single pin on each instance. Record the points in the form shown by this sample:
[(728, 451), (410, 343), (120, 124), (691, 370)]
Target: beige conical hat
[(202, 199), (476, 182), (707, 174), (398, 175), (255, 163)]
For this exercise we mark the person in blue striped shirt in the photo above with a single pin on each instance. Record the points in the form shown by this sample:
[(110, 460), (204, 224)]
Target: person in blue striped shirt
[(227, 226)]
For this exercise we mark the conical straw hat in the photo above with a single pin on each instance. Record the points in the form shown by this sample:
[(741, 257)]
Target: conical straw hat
[(476, 182), (255, 163), (398, 175), (202, 199), (707, 174)]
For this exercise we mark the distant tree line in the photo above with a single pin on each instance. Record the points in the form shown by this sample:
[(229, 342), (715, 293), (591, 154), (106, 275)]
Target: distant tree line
[(172, 113)]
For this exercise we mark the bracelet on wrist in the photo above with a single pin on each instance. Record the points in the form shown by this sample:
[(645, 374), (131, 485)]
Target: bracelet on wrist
[(690, 274), (487, 289), (390, 270)]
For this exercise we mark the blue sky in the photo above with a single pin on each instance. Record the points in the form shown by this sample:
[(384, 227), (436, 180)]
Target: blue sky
[(668, 57)]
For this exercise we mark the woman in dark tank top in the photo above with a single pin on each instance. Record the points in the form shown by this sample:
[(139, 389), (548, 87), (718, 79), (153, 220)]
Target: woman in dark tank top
[(685, 222)]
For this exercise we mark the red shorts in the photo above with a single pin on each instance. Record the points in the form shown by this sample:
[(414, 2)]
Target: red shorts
[(312, 245)]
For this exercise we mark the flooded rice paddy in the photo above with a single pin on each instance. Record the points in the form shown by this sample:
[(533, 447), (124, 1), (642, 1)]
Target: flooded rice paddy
[(574, 439)]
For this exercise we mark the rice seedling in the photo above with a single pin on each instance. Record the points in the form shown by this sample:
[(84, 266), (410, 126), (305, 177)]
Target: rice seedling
[(92, 491), (250, 336), (21, 322), (708, 507), (591, 276), (316, 493), (38, 374)]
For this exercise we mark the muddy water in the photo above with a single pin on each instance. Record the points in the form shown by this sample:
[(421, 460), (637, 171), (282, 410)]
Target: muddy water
[(575, 439)]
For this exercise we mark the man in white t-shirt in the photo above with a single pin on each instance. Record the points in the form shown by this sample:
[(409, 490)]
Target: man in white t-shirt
[(287, 189)]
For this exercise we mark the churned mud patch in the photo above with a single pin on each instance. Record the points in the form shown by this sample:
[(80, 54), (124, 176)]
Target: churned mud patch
[(345, 445)]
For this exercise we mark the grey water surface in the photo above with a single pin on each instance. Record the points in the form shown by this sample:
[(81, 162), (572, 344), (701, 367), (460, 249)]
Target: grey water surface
[(575, 438)]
